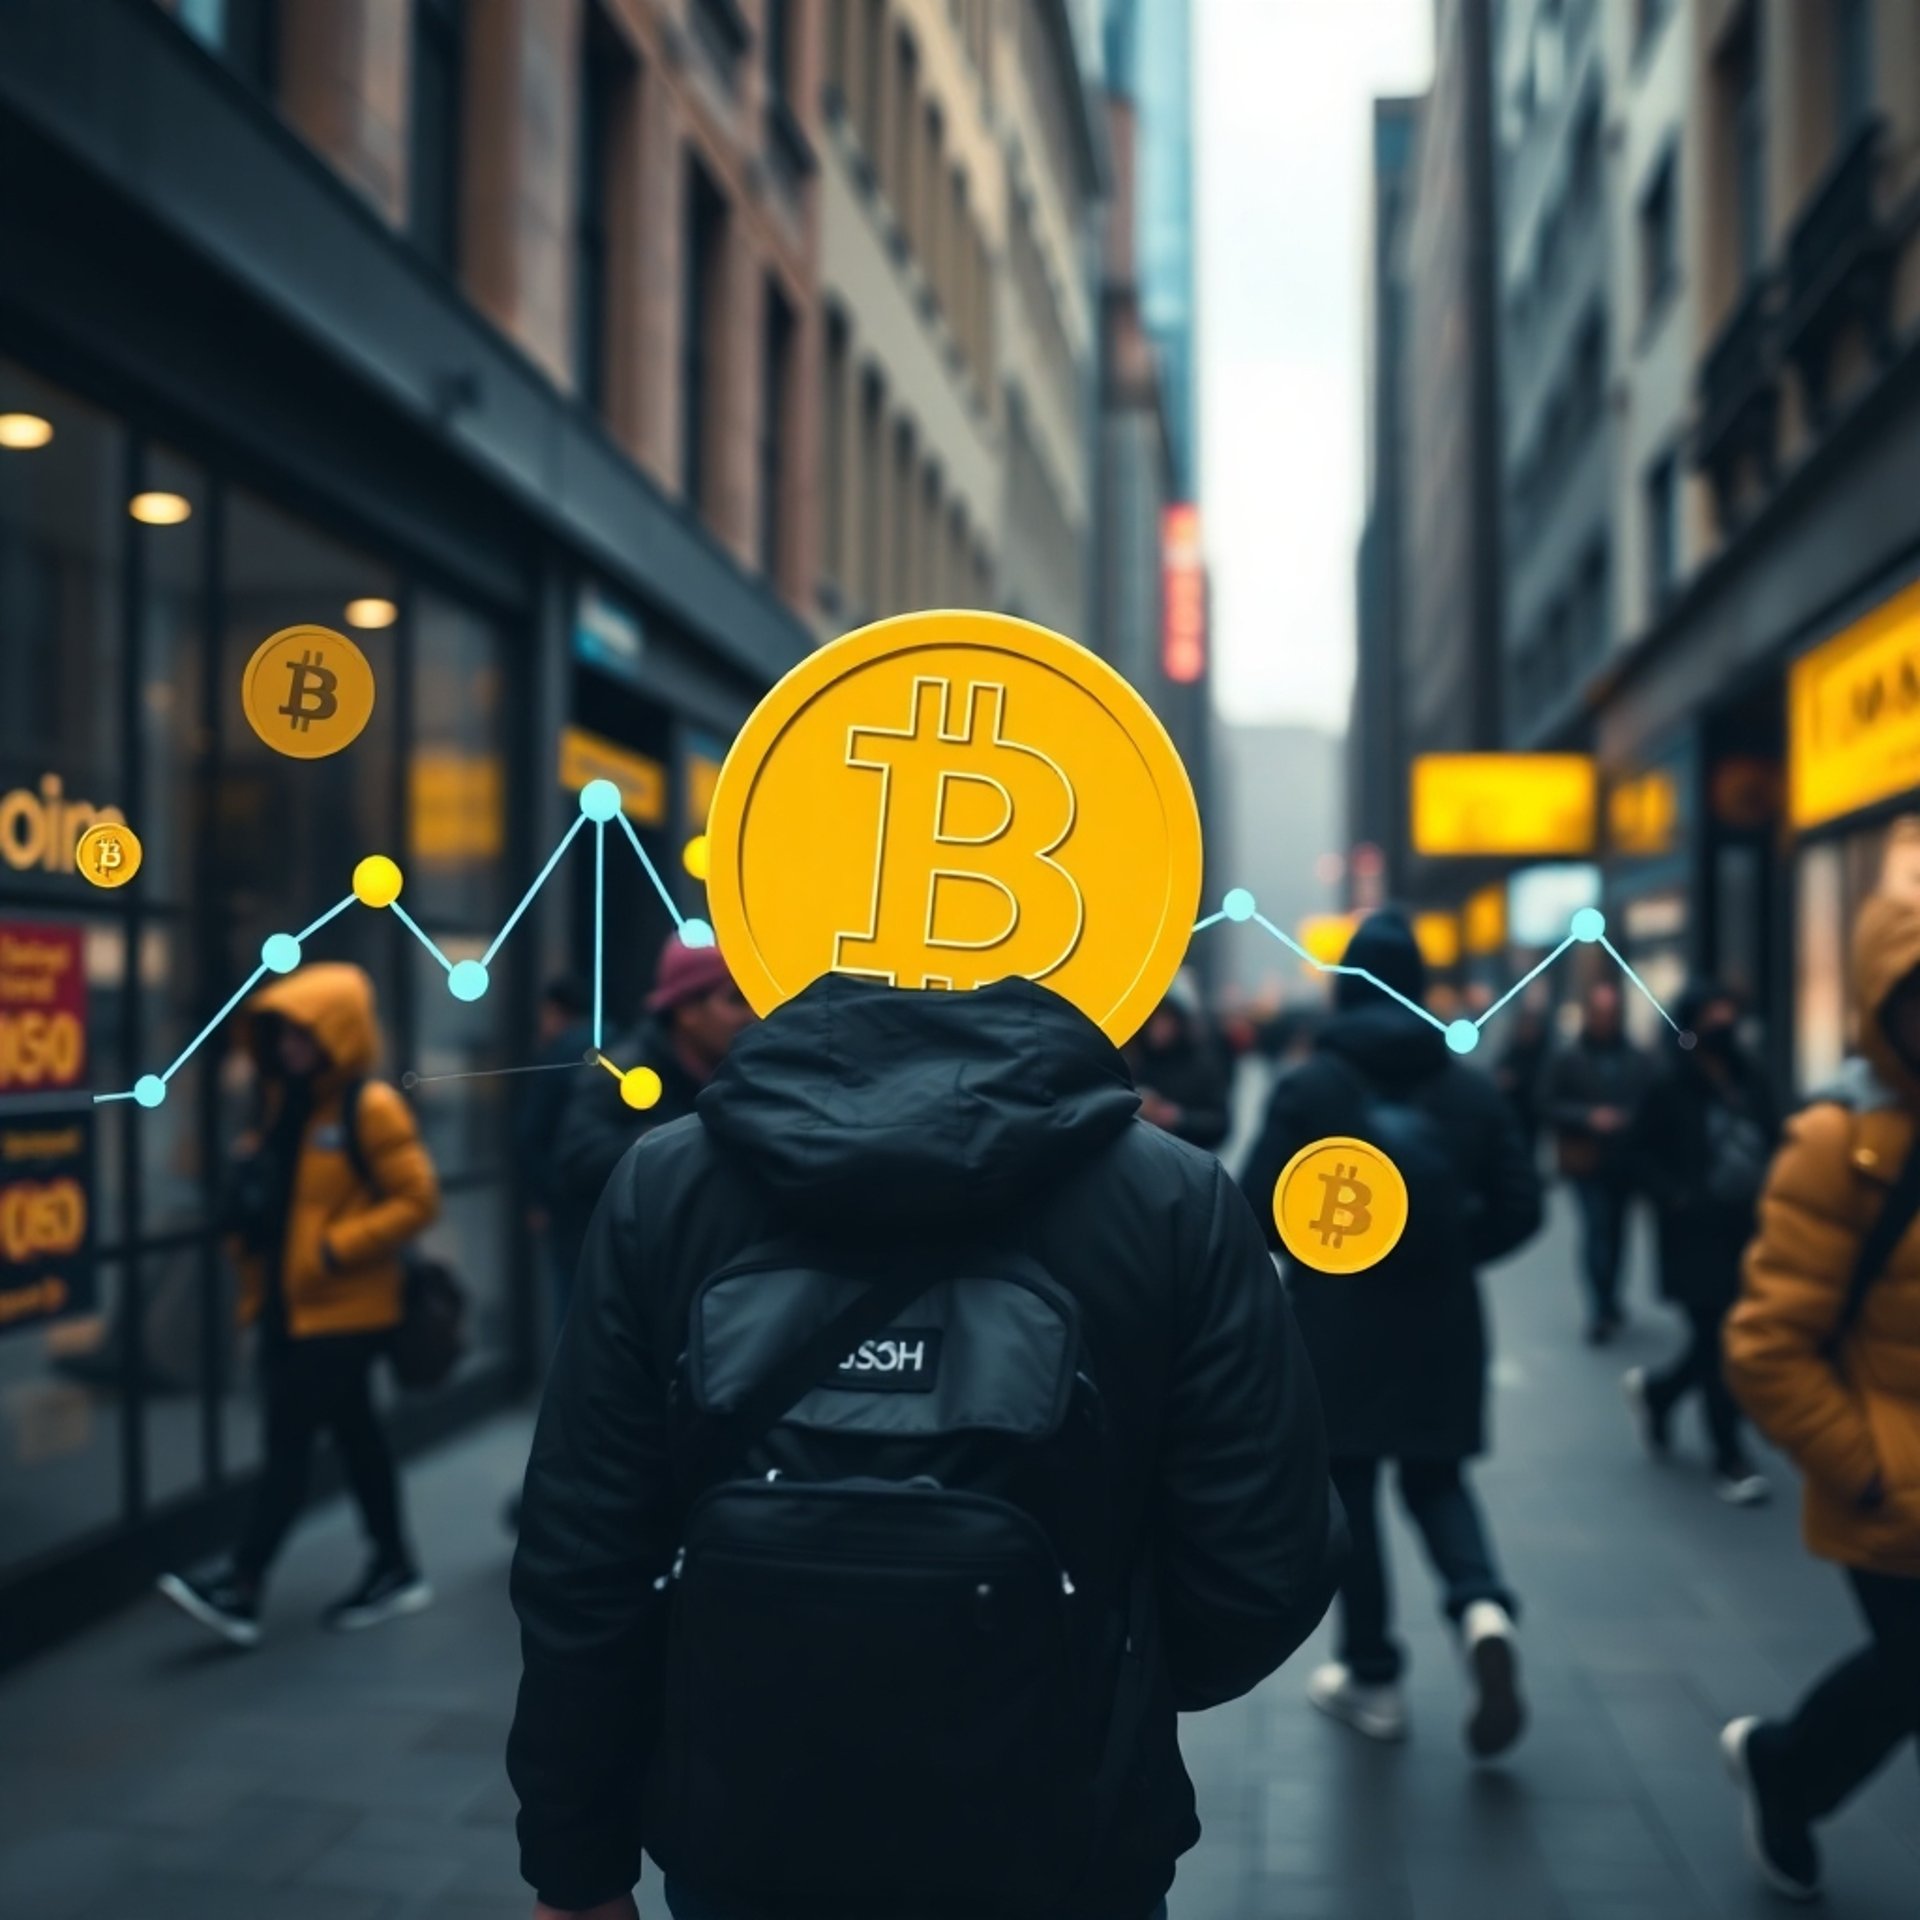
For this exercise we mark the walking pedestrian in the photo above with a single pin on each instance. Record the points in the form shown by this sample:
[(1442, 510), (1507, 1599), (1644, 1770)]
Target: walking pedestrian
[(926, 1434), (1704, 1136), (1823, 1350), (326, 1190), (563, 1034), (1517, 1072), (1184, 1081), (1400, 1348), (1590, 1097)]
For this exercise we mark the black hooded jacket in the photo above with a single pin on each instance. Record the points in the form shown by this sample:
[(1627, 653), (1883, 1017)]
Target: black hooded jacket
[(1400, 1352), (871, 1115)]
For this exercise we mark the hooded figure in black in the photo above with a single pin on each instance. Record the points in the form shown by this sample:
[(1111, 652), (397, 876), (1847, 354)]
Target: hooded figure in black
[(876, 1118), (1400, 1349)]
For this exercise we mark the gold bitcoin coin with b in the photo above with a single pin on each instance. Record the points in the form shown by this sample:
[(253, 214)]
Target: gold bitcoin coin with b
[(308, 692), (108, 854), (1340, 1205), (948, 799)]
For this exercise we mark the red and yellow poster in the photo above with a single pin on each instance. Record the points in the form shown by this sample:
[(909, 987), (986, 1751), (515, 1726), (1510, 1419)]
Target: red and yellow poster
[(46, 1153)]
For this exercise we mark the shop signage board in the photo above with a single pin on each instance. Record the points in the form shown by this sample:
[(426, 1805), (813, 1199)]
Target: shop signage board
[(1485, 927), (642, 780), (1438, 936), (1511, 804), (1853, 708), (46, 1158)]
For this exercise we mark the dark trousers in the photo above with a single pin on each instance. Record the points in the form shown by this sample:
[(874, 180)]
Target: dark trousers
[(1843, 1731), (1442, 1507), (1603, 1233), (1698, 1368), (308, 1386)]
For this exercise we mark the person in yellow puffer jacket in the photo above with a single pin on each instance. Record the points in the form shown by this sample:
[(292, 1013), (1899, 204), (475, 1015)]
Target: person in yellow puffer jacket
[(1840, 1393), (317, 1225)]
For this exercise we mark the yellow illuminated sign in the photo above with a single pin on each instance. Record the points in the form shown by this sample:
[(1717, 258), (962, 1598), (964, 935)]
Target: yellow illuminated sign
[(1641, 814), (1486, 920), (642, 782), (1854, 715), (1503, 803), (1325, 936), (1438, 935), (458, 805), (703, 775)]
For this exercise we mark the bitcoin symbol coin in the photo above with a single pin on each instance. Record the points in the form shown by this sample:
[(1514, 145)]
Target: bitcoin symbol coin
[(308, 692), (948, 799), (108, 855), (1340, 1205)]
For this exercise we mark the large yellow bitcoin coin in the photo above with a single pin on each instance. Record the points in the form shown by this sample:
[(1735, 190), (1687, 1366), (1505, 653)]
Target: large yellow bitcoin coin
[(949, 799), (1340, 1205), (308, 692), (108, 854)]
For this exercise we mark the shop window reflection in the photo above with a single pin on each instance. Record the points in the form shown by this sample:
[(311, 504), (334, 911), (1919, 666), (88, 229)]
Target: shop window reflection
[(456, 778), (173, 624)]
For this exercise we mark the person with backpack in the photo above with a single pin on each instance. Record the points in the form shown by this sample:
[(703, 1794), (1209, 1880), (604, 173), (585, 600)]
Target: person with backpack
[(927, 1433), (326, 1190), (1823, 1351), (1400, 1348), (1704, 1136)]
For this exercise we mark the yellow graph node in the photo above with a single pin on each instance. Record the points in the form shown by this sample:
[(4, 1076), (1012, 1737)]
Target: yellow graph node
[(640, 1087), (694, 856), (377, 881)]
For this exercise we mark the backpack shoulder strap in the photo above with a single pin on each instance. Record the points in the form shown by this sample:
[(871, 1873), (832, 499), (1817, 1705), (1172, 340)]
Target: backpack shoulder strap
[(1896, 1215)]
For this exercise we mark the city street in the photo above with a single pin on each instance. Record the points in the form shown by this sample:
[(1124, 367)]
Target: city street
[(145, 1773)]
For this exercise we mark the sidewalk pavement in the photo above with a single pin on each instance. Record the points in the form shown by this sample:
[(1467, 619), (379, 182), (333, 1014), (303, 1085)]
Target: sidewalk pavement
[(146, 1774)]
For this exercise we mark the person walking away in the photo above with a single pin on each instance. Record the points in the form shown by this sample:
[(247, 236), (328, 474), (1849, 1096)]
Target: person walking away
[(1590, 1097), (693, 1016), (326, 1191), (1185, 1084), (1517, 1073), (564, 1036), (1823, 1351), (1400, 1349), (1705, 1133), (927, 1433)]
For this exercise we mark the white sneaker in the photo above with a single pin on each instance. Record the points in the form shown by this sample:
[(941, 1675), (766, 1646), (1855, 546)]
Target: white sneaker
[(1743, 1489), (1648, 1427), (1380, 1712), (1499, 1714)]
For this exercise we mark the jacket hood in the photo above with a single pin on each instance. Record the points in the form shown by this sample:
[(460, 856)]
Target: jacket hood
[(1393, 1047), (1384, 945), (1886, 948), (332, 1001), (863, 1105)]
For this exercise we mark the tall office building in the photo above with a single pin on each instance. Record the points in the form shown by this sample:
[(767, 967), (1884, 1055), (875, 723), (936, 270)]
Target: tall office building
[(1162, 87)]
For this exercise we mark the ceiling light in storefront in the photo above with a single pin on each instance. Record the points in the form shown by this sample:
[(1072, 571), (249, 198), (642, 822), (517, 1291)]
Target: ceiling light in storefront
[(160, 509), (371, 613), (22, 432)]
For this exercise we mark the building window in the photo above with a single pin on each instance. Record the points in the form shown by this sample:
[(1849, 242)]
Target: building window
[(606, 75), (1659, 222), (833, 456), (1744, 84), (775, 383), (906, 95), (1852, 67), (433, 157), (702, 257), (872, 457), (900, 595), (1663, 531), (244, 33), (777, 29), (1648, 18), (873, 73)]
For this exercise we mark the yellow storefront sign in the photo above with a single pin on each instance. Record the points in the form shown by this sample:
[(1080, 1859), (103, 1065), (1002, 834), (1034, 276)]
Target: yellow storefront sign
[(642, 782), (1854, 715), (458, 805), (1325, 936), (1486, 920), (1641, 815), (1438, 935), (1503, 803), (703, 775)]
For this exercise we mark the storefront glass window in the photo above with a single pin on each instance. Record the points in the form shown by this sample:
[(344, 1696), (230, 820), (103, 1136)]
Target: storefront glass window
[(171, 698)]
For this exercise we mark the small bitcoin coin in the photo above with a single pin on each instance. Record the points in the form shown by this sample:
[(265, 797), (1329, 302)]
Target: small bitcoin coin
[(1340, 1205), (948, 799), (108, 855), (308, 692)]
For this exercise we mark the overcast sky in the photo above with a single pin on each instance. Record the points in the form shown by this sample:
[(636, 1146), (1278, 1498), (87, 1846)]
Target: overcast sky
[(1282, 92)]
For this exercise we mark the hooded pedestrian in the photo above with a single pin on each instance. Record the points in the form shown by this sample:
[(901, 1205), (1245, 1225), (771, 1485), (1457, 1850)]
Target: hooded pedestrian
[(326, 1189), (1823, 1350), (1400, 1349), (1704, 1136), (1185, 1081)]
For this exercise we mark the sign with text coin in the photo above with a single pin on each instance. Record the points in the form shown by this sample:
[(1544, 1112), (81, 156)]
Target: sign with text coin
[(949, 799), (308, 692), (1340, 1205)]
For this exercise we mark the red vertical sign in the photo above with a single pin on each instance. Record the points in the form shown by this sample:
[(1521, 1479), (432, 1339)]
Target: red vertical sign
[(1183, 595)]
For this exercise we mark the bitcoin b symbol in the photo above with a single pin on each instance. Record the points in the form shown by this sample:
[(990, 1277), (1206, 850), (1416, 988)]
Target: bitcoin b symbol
[(311, 675), (965, 886), (1346, 1207), (108, 854)]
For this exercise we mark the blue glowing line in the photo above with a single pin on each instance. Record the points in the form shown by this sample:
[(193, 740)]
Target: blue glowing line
[(1355, 973), (239, 994), (332, 913), (599, 920), (1212, 920), (1522, 985), (1653, 1001), (100, 1099), (426, 939), (659, 885), (540, 880)]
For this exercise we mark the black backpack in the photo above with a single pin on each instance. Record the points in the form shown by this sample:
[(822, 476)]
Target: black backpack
[(431, 1339), (898, 1609)]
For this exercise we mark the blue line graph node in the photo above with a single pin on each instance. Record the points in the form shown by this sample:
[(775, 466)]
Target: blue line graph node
[(600, 800), (149, 1090), (467, 980), (280, 953), (1589, 924), (1462, 1036), (1239, 904), (695, 933)]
